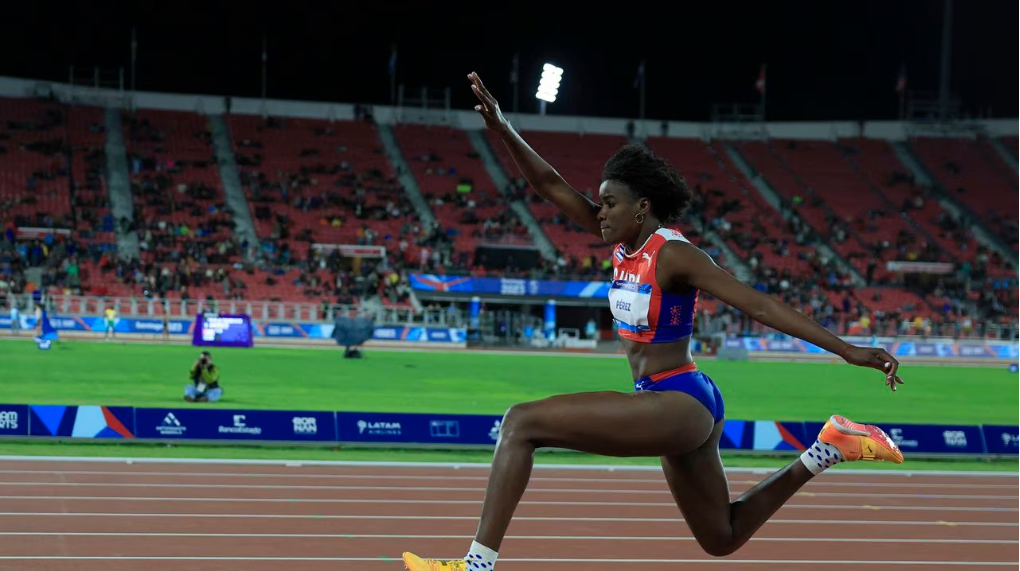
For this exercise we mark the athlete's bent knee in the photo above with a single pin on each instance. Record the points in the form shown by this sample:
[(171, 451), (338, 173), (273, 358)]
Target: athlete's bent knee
[(719, 546), (518, 423)]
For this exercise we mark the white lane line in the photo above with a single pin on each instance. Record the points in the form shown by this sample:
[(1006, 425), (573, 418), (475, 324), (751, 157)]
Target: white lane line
[(660, 480), (213, 499), (517, 537), (481, 490), (522, 518), (485, 466), (532, 560)]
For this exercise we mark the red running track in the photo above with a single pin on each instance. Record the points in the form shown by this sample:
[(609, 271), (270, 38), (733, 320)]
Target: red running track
[(161, 516)]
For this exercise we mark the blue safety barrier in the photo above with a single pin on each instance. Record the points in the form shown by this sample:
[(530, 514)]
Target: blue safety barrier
[(438, 429), (945, 350), (85, 421), (509, 286), (928, 438), (272, 329), (221, 424), (13, 420), (435, 430), (1001, 439)]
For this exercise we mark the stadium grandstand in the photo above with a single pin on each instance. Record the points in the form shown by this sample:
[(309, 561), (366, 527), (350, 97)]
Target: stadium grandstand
[(894, 234)]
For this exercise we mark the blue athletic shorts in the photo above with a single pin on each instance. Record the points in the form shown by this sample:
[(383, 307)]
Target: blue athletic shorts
[(686, 379)]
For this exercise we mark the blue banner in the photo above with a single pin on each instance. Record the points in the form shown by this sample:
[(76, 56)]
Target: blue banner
[(381, 333), (549, 324), (473, 311), (927, 438), (763, 435), (761, 344), (988, 349), (1001, 439), (272, 329), (218, 424), (418, 428), (85, 421), (437, 430), (293, 330), (13, 420), (430, 334), (508, 286), (121, 325)]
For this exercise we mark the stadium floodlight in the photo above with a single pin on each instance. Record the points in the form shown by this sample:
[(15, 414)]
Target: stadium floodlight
[(549, 86)]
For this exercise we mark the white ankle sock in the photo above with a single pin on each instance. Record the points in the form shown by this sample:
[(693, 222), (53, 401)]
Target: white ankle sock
[(480, 558), (820, 456)]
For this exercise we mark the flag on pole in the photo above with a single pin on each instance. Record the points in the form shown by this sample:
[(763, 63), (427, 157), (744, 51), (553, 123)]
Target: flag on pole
[(901, 80), (393, 61), (760, 83), (639, 79)]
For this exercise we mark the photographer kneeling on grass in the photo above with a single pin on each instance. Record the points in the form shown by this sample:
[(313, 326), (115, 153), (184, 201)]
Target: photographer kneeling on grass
[(205, 381)]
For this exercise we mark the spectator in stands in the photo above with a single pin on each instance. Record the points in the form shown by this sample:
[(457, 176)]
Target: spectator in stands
[(38, 319), (110, 320), (205, 381), (15, 314)]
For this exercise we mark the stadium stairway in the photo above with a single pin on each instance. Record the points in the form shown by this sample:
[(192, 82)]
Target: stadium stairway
[(772, 198), (1007, 157), (923, 176), (34, 276), (893, 207), (119, 185), (838, 195), (499, 177), (733, 262), (231, 181), (987, 150), (405, 175)]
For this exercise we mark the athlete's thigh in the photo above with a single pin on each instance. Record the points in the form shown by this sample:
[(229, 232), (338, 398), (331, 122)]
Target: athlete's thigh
[(699, 486), (615, 424)]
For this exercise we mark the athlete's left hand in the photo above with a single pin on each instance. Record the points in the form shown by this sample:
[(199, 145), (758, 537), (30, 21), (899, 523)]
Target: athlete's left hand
[(875, 358)]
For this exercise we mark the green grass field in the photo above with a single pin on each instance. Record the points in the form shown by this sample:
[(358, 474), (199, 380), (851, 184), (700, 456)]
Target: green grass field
[(296, 379), (301, 379)]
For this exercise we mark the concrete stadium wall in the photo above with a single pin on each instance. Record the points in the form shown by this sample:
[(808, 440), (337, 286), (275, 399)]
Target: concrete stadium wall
[(468, 119)]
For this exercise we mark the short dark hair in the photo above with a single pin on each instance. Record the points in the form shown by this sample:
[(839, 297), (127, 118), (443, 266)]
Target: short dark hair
[(650, 176)]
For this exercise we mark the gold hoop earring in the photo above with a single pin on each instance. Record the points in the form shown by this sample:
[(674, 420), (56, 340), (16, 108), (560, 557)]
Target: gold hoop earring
[(639, 218)]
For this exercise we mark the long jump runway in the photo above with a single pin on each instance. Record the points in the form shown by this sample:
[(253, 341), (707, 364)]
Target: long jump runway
[(170, 516)]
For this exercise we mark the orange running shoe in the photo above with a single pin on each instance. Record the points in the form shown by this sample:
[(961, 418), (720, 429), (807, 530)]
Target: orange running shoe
[(414, 563), (858, 441)]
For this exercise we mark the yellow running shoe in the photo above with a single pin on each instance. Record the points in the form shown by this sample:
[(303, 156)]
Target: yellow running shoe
[(414, 563), (858, 441)]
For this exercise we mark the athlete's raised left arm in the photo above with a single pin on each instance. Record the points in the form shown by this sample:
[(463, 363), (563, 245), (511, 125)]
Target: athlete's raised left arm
[(684, 265)]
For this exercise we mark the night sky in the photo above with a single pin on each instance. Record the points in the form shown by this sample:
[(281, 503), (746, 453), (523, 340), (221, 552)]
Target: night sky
[(826, 60)]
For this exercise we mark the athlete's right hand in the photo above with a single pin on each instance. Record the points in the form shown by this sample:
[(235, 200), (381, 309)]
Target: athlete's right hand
[(489, 107), (875, 358)]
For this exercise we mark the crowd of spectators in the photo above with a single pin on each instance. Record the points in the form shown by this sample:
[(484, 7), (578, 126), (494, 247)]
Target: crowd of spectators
[(202, 257)]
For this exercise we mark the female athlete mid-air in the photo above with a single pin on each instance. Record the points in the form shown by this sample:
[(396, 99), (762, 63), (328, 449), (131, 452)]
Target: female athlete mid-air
[(676, 411)]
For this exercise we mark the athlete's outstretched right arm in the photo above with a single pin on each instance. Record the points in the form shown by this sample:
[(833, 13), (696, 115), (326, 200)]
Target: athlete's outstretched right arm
[(540, 175)]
